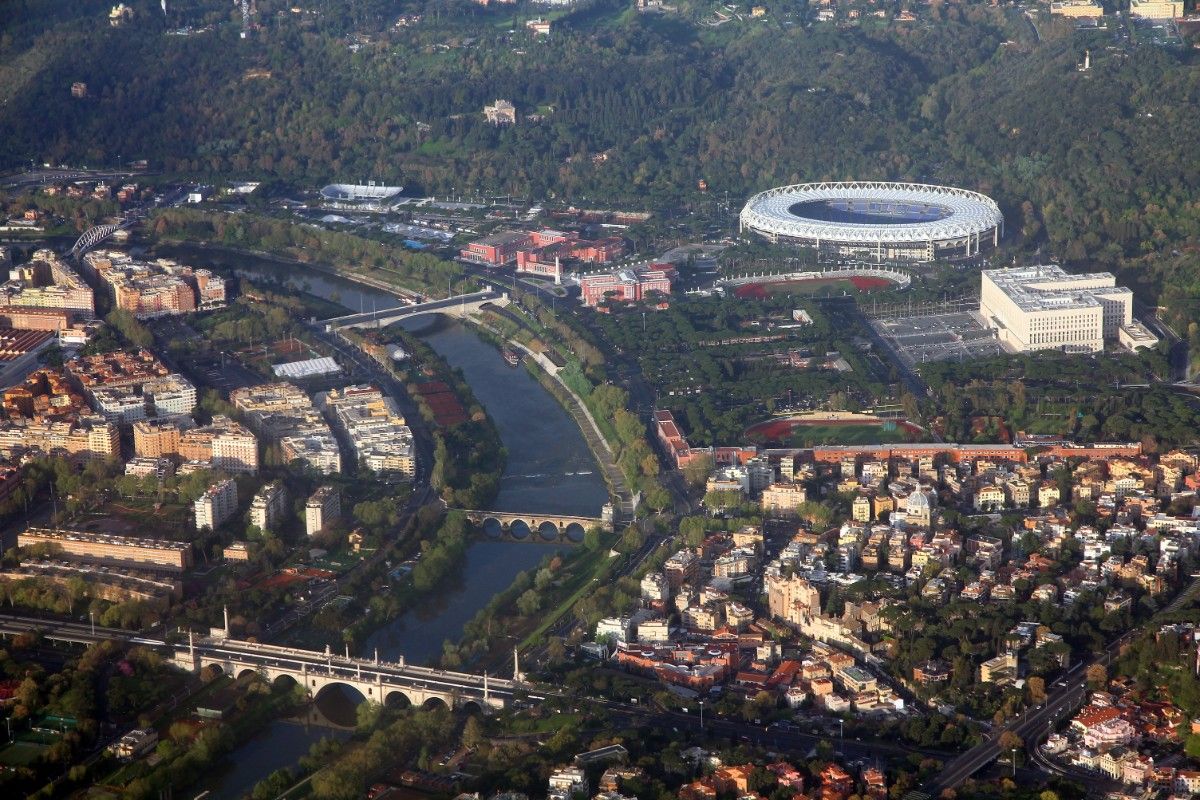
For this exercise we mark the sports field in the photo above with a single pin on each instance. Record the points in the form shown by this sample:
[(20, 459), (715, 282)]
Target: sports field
[(792, 433), (814, 286)]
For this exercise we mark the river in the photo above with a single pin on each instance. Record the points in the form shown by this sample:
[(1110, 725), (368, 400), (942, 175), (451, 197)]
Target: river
[(549, 470), (549, 467), (280, 745)]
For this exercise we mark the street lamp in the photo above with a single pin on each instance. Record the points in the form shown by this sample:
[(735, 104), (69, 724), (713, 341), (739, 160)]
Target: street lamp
[(701, 715), (92, 617)]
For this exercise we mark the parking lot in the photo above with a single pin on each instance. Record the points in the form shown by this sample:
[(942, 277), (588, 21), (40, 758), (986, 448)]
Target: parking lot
[(939, 337)]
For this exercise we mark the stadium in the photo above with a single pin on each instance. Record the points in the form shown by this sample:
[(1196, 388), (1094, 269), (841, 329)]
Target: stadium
[(360, 197), (880, 222)]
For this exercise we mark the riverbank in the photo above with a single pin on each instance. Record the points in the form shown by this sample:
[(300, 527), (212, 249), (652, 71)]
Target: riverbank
[(573, 404), (396, 268), (180, 249)]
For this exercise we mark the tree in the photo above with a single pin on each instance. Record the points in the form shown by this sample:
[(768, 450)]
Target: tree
[(1097, 677), (529, 602), (1010, 741), (366, 715), (1037, 689), (472, 733)]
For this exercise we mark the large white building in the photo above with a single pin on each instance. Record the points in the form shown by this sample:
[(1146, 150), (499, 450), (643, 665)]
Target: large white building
[(1046, 308), (268, 507), (217, 504), (322, 508)]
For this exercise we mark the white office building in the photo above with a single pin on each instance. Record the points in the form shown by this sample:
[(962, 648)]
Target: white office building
[(1046, 308)]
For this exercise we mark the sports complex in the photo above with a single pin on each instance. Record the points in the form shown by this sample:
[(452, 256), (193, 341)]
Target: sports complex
[(360, 197), (879, 222)]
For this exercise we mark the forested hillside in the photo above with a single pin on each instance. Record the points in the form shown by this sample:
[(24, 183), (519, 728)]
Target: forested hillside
[(634, 109)]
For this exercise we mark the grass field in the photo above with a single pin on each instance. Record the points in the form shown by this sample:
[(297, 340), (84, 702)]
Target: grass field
[(808, 435), (19, 754), (793, 434)]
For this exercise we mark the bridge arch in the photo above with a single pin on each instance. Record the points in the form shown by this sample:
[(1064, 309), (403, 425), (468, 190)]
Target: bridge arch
[(397, 699), (548, 531), (432, 703), (285, 681), (215, 668), (244, 671), (492, 528), (574, 532), (519, 529)]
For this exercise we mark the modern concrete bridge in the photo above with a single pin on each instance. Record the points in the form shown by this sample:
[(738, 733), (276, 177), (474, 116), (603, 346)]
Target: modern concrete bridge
[(459, 306)]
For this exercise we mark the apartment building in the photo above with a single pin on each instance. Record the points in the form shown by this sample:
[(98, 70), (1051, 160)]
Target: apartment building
[(153, 438), (168, 396), (105, 548), (217, 505), (226, 444), (44, 395), (283, 413), (322, 508), (47, 282), (155, 288), (127, 387), (269, 506), (379, 439), (81, 440)]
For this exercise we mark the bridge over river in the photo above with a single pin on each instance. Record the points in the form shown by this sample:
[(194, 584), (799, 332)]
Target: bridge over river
[(534, 527), (377, 681), (458, 306)]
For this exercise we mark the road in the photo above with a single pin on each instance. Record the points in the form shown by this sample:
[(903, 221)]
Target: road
[(1177, 356), (1036, 724)]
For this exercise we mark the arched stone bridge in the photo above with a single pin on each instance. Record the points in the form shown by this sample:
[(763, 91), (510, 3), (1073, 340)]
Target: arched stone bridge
[(376, 681), (524, 527)]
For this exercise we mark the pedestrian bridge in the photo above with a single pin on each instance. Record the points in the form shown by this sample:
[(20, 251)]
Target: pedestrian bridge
[(97, 234), (525, 527), (463, 305), (388, 683)]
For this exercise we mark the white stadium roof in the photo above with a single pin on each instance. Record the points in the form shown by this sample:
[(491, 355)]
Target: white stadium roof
[(357, 192), (964, 213), (307, 369)]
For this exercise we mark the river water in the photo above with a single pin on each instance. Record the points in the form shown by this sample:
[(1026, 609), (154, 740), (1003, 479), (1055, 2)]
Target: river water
[(549, 470), (280, 745)]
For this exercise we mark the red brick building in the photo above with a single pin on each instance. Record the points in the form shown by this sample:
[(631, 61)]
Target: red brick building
[(497, 250), (626, 285)]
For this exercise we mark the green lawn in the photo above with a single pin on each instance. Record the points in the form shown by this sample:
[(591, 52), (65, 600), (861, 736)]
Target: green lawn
[(20, 754), (809, 435)]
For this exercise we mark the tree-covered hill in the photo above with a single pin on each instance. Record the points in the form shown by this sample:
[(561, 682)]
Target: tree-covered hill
[(634, 109)]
